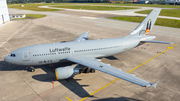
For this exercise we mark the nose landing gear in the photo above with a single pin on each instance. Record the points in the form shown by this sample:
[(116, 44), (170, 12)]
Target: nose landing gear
[(32, 69)]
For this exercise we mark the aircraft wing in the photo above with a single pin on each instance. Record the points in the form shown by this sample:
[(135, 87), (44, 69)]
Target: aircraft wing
[(90, 62), (153, 41), (82, 37)]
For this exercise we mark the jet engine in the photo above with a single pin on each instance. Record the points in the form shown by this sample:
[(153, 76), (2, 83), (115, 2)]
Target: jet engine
[(66, 72), (70, 71)]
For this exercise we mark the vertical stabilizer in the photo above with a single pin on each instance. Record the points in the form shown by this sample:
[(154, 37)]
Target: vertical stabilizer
[(145, 27)]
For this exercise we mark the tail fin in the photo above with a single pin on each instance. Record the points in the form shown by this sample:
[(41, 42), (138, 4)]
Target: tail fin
[(144, 28)]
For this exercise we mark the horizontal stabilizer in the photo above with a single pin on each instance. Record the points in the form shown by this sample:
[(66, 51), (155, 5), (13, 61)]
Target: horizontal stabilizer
[(155, 84), (163, 42)]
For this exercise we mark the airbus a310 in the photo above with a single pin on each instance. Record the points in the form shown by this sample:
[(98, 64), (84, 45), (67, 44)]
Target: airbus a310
[(87, 53)]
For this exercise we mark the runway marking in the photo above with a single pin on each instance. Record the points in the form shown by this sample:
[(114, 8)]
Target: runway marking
[(6, 49), (172, 47), (89, 17), (68, 98), (93, 17), (101, 20), (13, 35), (130, 24), (50, 91)]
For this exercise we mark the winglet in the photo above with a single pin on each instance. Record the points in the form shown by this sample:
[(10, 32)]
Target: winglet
[(82, 37), (154, 85)]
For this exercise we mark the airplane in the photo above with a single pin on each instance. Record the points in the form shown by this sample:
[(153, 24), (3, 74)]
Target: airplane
[(87, 54)]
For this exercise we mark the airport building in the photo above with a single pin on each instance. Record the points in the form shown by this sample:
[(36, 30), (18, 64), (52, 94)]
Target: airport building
[(4, 14)]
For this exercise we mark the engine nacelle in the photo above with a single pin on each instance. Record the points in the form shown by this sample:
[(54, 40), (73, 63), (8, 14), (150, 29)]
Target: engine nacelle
[(66, 72)]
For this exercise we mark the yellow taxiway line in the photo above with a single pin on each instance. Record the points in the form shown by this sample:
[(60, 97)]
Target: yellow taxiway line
[(68, 98), (172, 47)]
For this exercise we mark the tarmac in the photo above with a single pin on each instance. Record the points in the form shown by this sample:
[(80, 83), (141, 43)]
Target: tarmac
[(131, 12), (17, 83)]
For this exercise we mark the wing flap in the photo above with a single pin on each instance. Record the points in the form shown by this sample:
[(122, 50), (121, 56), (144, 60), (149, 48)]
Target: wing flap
[(90, 62)]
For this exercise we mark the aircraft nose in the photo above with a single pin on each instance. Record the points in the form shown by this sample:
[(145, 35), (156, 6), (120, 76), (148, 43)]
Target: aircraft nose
[(6, 59)]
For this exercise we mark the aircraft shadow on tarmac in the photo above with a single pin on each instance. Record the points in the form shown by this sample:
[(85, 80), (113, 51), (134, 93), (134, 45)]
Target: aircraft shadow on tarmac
[(111, 58), (70, 83), (117, 99)]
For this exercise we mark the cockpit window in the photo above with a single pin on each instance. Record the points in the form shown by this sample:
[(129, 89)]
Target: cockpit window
[(12, 55)]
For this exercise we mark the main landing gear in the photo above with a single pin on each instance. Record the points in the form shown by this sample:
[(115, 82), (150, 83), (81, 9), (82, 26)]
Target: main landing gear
[(88, 70), (32, 69)]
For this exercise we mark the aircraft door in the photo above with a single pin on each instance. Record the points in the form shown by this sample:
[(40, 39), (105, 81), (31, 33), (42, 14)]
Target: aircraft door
[(26, 56)]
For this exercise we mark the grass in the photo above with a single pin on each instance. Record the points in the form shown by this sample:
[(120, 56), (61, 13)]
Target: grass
[(93, 7), (32, 16), (164, 12), (141, 5), (159, 21), (35, 16), (33, 7)]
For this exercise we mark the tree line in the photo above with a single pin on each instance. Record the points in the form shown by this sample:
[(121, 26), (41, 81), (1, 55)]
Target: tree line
[(57, 1)]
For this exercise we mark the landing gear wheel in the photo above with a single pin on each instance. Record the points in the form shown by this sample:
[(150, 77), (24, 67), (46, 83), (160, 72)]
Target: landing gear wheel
[(87, 70), (92, 70), (32, 69)]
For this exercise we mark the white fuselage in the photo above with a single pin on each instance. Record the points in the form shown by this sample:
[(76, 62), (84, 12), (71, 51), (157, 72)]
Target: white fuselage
[(53, 53)]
